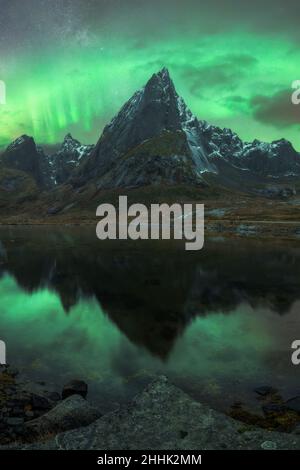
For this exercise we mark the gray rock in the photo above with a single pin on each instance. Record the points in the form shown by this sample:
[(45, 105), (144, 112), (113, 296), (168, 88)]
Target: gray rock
[(71, 413), (53, 396), (269, 445)]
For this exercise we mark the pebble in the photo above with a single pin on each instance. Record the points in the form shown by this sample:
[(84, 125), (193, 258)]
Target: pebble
[(269, 445)]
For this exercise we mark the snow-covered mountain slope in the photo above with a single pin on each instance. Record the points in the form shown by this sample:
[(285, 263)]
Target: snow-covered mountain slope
[(71, 154), (273, 160)]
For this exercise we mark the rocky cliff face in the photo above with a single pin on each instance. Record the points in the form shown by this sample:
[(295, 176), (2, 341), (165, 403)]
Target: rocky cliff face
[(24, 155), (275, 159), (71, 154), (132, 140)]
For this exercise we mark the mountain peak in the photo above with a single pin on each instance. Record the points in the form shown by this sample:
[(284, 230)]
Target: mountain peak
[(23, 140), (68, 137), (160, 85), (69, 142), (23, 155), (164, 75), (163, 71), (153, 110)]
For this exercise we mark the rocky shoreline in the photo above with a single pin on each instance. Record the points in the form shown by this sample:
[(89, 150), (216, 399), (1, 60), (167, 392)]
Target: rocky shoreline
[(160, 417), (24, 404)]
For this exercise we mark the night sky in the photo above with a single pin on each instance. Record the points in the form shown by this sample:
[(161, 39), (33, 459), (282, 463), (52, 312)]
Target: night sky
[(69, 65)]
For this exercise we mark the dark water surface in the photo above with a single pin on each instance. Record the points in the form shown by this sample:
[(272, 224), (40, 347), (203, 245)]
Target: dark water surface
[(218, 322)]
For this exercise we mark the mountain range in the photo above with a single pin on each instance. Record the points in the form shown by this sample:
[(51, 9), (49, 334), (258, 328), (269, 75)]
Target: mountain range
[(154, 142)]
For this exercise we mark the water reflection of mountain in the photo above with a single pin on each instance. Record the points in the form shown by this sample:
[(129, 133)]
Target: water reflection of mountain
[(151, 293)]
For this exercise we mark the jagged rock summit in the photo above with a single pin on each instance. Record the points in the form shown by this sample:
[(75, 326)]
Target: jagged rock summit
[(155, 123), (23, 155), (70, 155)]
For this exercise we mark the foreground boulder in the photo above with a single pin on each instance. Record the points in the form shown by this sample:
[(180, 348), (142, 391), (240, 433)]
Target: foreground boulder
[(71, 413)]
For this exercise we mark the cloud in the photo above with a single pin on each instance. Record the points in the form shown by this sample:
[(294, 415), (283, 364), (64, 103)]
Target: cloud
[(33, 24), (227, 71), (236, 103), (277, 110)]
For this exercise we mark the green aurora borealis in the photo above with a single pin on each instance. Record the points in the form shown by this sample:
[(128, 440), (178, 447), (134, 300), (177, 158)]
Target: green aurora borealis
[(75, 75)]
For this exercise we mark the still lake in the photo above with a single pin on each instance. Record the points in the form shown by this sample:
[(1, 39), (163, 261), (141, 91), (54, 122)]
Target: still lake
[(219, 322)]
